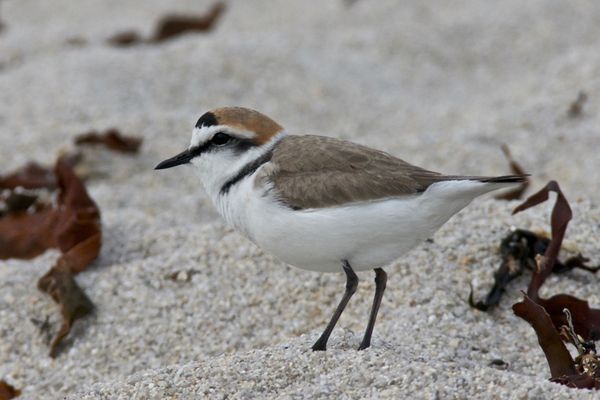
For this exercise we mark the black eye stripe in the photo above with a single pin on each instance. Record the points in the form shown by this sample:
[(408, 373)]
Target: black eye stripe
[(238, 145)]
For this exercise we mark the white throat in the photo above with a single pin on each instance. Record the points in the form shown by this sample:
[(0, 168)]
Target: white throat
[(215, 169)]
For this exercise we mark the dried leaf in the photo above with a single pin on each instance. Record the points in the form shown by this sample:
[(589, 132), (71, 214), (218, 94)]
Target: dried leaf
[(175, 25), (111, 139), (171, 26), (7, 391), (30, 176), (16, 202), (60, 284), (126, 38), (26, 236), (559, 359), (517, 192), (75, 220), (73, 226)]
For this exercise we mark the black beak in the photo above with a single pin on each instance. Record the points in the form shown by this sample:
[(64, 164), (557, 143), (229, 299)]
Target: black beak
[(182, 158)]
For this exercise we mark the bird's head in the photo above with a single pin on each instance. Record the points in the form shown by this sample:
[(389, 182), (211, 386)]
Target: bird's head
[(224, 140)]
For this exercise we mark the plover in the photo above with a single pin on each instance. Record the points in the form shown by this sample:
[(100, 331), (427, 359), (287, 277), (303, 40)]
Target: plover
[(321, 203)]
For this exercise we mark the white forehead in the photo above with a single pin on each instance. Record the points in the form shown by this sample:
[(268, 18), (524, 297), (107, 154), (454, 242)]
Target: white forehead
[(205, 133)]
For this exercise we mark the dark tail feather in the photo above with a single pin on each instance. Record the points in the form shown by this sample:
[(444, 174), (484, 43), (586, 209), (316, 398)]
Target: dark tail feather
[(488, 179), (504, 179)]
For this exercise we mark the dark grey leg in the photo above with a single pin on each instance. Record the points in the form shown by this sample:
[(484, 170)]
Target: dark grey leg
[(351, 284), (380, 281)]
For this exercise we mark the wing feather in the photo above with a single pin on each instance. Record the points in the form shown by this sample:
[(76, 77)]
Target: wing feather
[(317, 171)]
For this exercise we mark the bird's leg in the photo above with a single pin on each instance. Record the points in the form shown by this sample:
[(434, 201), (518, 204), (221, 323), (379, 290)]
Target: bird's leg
[(380, 281), (351, 284)]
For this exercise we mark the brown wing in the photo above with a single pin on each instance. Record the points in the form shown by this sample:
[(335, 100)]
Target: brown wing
[(317, 171)]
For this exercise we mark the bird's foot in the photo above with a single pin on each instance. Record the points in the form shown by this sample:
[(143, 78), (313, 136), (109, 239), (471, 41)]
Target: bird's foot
[(319, 345)]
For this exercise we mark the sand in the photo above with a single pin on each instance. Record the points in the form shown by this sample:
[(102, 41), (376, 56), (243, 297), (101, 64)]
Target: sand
[(439, 84)]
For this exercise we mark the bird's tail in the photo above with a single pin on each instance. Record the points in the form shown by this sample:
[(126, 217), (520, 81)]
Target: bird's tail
[(496, 182), (473, 186), (500, 179)]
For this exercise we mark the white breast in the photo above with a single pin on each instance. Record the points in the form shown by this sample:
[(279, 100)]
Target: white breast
[(368, 235)]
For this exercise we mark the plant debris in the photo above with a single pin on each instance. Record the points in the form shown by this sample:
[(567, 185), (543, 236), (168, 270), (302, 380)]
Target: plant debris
[(7, 391), (111, 139), (517, 192), (60, 284), (519, 250), (171, 26), (126, 38), (30, 176), (576, 108), (581, 373), (561, 317), (73, 226), (559, 359)]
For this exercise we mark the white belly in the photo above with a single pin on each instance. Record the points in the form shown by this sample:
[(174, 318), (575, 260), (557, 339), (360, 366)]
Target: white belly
[(367, 235)]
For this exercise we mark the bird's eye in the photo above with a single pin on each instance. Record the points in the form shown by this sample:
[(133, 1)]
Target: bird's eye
[(220, 139)]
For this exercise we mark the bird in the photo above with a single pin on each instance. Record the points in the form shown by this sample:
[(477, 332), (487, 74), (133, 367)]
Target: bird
[(321, 203)]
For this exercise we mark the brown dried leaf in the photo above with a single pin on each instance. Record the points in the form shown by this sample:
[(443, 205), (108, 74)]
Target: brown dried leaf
[(16, 202), (171, 26), (111, 139), (174, 25), (73, 226), (7, 391), (126, 38), (559, 359), (517, 192), (60, 284), (26, 236), (75, 220), (30, 176)]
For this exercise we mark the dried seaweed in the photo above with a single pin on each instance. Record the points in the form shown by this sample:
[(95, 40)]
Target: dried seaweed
[(562, 313), (7, 391), (171, 26), (519, 250), (111, 139), (30, 176), (576, 107), (72, 226), (517, 192), (559, 359), (14, 201), (581, 373), (60, 284), (126, 38), (561, 215)]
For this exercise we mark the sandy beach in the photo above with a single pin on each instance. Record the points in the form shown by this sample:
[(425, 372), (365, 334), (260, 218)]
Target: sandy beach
[(441, 85)]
